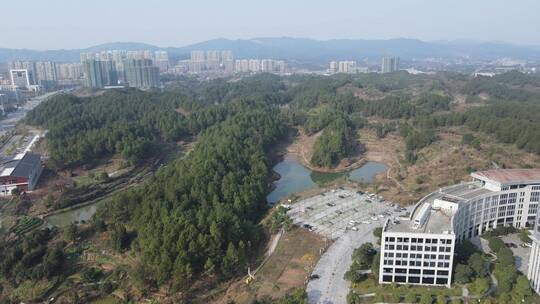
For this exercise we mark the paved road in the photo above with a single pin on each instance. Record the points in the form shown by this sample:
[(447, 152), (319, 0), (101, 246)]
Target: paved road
[(331, 288), (13, 118), (521, 254)]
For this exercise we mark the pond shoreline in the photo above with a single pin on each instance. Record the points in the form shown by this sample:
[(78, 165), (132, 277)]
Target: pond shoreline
[(294, 177), (300, 146)]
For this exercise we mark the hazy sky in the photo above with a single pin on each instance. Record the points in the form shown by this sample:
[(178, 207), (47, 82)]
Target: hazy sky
[(54, 24)]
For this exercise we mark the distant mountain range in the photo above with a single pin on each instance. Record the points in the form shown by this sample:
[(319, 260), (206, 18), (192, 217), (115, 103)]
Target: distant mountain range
[(307, 50)]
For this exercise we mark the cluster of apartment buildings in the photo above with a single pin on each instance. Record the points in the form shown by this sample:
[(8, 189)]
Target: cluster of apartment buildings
[(41, 75), (223, 62), (115, 68), (388, 65), (419, 249)]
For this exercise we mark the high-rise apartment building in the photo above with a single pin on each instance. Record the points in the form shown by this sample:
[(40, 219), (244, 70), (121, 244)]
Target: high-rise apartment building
[(267, 66), (197, 56), (347, 66), (213, 60), (333, 67), (161, 60), (99, 74), (46, 74), (390, 64), (241, 66), (141, 73), (69, 71), (213, 55), (254, 65), (227, 61), (92, 73), (227, 55)]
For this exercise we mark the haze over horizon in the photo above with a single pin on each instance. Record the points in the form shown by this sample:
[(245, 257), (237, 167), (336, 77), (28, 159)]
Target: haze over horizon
[(63, 24)]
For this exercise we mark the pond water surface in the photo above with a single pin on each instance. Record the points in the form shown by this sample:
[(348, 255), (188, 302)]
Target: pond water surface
[(293, 178), (296, 178)]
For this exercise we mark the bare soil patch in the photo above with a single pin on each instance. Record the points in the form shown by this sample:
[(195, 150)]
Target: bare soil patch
[(369, 93), (288, 268)]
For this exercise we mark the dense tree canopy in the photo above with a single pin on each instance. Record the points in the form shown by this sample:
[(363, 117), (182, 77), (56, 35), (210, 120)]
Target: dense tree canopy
[(337, 141), (31, 258), (127, 122), (199, 213)]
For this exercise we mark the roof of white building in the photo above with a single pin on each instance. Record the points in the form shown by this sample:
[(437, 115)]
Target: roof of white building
[(509, 176), (439, 221)]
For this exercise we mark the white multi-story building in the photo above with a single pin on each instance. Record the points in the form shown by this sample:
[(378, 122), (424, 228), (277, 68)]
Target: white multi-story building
[(420, 248), (333, 67), (242, 66), (254, 65), (198, 56), (227, 55), (161, 60), (533, 272), (347, 67)]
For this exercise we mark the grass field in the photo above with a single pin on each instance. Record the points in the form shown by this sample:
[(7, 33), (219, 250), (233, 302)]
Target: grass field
[(444, 162)]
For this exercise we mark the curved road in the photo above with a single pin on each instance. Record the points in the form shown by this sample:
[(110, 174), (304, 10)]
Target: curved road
[(331, 288)]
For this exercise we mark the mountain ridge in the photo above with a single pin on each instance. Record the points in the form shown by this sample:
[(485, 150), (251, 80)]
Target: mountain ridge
[(305, 49)]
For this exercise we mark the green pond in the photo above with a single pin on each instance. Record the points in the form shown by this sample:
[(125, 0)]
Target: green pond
[(295, 178)]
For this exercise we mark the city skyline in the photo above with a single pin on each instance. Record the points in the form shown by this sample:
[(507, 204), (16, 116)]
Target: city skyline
[(178, 24)]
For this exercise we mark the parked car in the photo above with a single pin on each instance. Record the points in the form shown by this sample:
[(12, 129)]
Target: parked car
[(314, 277)]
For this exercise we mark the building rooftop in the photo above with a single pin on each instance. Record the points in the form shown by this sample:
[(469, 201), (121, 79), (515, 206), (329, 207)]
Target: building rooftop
[(509, 176), (20, 165), (439, 221), (433, 213)]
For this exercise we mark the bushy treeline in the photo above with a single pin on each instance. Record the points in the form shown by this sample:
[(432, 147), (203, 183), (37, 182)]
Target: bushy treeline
[(498, 90), (199, 214), (337, 141), (30, 258), (416, 139), (518, 79), (509, 122)]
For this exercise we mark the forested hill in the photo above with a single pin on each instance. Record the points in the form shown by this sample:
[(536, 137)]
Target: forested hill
[(128, 122), (200, 213)]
